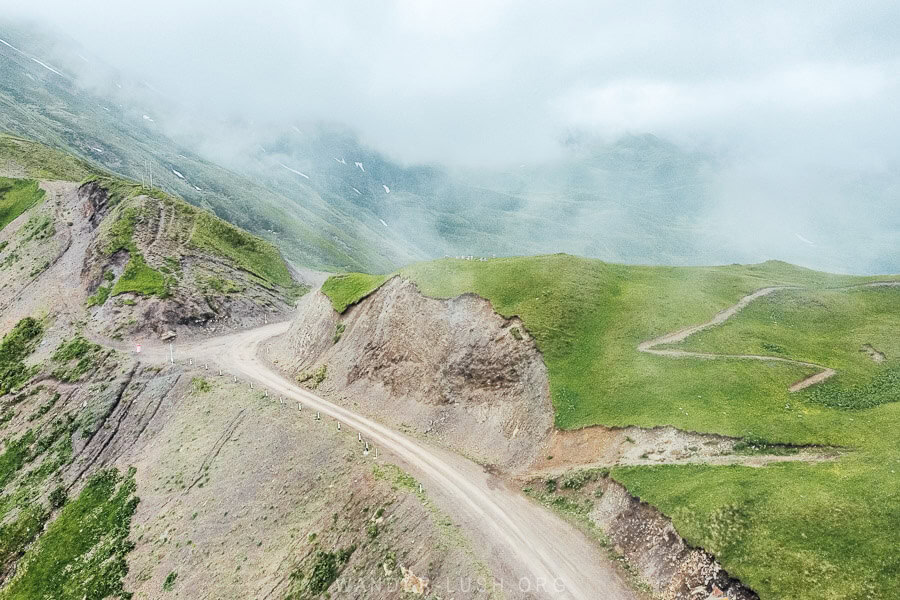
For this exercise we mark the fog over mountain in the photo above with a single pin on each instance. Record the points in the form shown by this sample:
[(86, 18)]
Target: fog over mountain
[(675, 134)]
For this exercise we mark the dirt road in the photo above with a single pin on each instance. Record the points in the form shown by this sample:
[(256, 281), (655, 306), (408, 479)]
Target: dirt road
[(533, 553), (650, 346)]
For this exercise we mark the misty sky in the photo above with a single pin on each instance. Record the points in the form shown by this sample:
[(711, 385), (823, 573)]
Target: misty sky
[(813, 83)]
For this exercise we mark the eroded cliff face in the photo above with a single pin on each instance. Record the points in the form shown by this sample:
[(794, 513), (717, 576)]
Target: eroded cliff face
[(450, 370)]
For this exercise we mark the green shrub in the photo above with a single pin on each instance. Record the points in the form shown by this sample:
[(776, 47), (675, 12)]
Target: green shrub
[(169, 583), (222, 286), (578, 479), (58, 497), (314, 379), (99, 297), (325, 569), (372, 530), (200, 385)]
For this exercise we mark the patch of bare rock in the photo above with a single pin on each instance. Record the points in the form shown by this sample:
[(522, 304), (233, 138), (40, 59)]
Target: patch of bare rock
[(452, 371)]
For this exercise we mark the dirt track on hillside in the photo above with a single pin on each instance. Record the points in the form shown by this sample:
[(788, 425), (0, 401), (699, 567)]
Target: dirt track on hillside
[(534, 553), (650, 346)]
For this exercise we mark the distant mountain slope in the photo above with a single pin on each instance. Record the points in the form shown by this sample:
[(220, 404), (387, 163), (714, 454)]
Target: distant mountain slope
[(41, 104), (331, 202)]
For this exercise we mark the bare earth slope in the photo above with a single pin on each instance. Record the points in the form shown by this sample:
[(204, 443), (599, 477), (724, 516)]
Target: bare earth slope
[(534, 553), (452, 371), (239, 498)]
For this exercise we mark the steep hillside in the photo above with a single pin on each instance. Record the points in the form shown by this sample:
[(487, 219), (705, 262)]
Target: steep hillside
[(452, 371), (603, 331), (159, 265), (123, 477), (118, 478), (134, 261), (115, 132)]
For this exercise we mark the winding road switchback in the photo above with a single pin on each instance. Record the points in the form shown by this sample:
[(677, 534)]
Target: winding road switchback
[(650, 346)]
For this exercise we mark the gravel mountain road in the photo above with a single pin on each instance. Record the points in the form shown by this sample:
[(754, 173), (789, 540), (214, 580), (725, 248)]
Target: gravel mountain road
[(532, 552)]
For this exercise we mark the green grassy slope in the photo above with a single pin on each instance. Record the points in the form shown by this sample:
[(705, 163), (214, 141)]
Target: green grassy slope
[(42, 162), (348, 289), (588, 317), (202, 231), (797, 530), (82, 553), (17, 196)]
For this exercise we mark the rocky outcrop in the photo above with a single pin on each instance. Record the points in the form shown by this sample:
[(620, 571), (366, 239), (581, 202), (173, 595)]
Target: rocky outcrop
[(451, 370), (648, 540)]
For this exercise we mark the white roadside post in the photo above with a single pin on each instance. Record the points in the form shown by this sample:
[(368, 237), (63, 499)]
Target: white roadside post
[(299, 407), (339, 425)]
